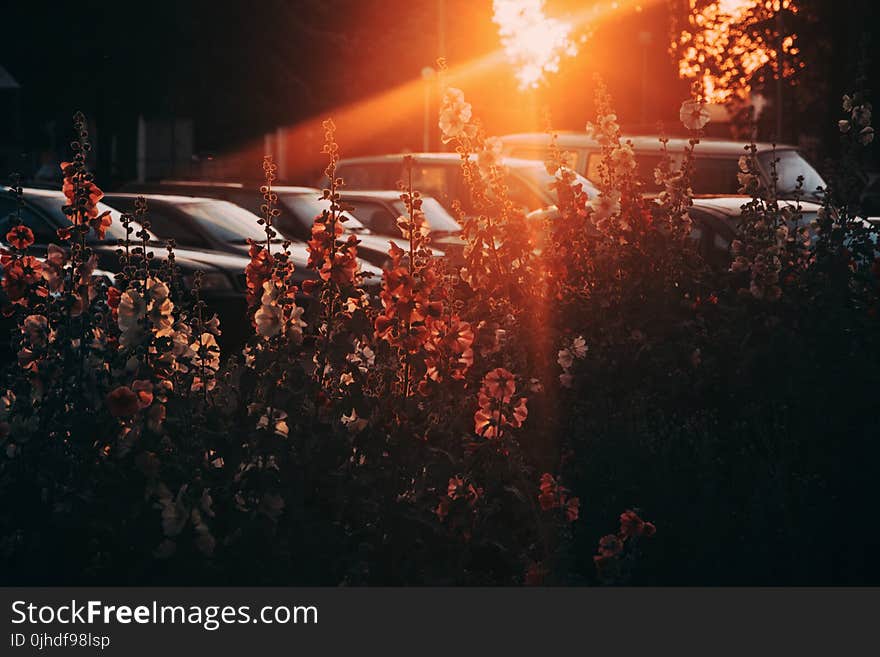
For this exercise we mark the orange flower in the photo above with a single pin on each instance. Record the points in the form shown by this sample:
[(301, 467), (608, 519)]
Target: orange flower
[(496, 409), (20, 237), (500, 384), (101, 223)]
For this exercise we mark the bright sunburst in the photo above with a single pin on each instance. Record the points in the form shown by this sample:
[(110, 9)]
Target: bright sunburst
[(534, 42)]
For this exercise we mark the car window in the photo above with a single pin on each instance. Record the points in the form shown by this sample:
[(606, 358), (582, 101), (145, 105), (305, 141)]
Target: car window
[(528, 152), (250, 201), (43, 231), (524, 192), (711, 240), (299, 212), (53, 206), (367, 176), (438, 218), (594, 161), (164, 221), (432, 179), (790, 165), (375, 216), (715, 175), (645, 165), (225, 221)]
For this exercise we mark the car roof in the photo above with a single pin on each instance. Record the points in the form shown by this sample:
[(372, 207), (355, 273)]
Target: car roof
[(378, 194), (295, 189), (40, 191), (707, 145), (167, 198), (733, 204), (201, 183), (441, 157)]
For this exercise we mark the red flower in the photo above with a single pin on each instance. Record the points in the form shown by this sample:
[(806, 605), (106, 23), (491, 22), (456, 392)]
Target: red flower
[(610, 546), (631, 525), (101, 223), (548, 495), (257, 272), (572, 509), (535, 574), (20, 237), (122, 402)]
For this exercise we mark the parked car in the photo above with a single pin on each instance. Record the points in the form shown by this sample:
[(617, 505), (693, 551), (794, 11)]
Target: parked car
[(439, 175), (716, 161), (717, 224), (298, 207), (380, 210), (223, 280)]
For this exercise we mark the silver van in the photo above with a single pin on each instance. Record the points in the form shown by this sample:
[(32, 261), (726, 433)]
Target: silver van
[(716, 161)]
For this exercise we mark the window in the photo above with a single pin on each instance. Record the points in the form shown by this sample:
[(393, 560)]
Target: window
[(645, 165), (224, 221), (367, 176), (790, 165), (715, 175), (430, 179), (168, 225), (375, 216)]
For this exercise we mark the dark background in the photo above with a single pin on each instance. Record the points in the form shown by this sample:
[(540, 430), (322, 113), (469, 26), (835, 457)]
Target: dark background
[(240, 70)]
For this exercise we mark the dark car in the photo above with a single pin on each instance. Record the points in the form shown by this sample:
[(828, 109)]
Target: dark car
[(380, 210), (208, 223), (439, 175), (298, 207), (223, 282)]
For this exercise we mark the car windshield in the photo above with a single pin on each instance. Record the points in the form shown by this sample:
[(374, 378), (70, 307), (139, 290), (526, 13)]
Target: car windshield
[(529, 185), (438, 218), (307, 207), (226, 221), (790, 165), (53, 205)]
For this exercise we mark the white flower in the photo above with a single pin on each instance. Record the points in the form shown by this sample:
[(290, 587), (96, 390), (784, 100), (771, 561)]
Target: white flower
[(207, 352), (565, 359), (693, 115), (605, 205), (843, 125), (455, 114), (579, 347), (866, 136), (268, 320), (490, 156), (156, 289), (623, 159), (132, 310), (861, 115)]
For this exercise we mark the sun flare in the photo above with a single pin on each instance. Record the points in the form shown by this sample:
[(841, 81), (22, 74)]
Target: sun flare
[(533, 42)]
